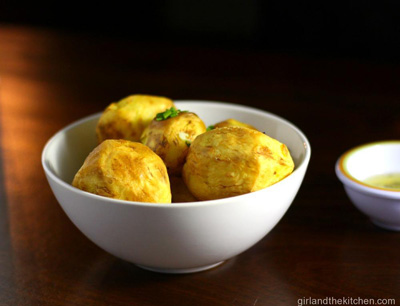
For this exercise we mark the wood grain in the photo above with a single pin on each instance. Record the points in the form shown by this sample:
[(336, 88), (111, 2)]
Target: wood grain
[(323, 247)]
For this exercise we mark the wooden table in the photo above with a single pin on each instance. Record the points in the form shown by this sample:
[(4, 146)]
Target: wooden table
[(323, 247)]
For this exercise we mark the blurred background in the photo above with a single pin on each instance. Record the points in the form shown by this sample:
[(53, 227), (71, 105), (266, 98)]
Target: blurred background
[(350, 29)]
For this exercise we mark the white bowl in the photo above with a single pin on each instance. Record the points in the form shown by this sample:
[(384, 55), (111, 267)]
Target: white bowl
[(181, 237), (381, 205)]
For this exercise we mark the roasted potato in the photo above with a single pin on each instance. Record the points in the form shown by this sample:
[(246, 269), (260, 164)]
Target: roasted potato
[(171, 138), (180, 193), (124, 170), (231, 161), (233, 122), (128, 118)]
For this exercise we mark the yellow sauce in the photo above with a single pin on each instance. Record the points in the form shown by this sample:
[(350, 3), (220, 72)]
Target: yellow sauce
[(390, 181)]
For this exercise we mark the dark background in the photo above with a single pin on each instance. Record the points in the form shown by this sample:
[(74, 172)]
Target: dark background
[(351, 29)]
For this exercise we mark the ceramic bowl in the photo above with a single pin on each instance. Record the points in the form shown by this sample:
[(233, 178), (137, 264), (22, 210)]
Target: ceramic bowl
[(179, 237), (381, 205)]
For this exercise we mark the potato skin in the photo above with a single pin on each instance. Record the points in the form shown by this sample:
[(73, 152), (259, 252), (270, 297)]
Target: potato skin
[(124, 170), (233, 122), (231, 161), (128, 118), (170, 138)]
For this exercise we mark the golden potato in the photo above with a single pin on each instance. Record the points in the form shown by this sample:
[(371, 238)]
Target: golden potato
[(124, 170), (233, 122), (128, 118), (231, 161), (180, 193), (171, 138)]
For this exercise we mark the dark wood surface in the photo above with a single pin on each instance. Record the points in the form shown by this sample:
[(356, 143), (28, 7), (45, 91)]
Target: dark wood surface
[(323, 247)]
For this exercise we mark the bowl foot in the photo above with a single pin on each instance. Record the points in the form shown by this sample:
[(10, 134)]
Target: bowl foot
[(180, 271), (386, 226)]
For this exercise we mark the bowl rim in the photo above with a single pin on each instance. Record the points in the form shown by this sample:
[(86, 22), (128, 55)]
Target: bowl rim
[(304, 163), (346, 178)]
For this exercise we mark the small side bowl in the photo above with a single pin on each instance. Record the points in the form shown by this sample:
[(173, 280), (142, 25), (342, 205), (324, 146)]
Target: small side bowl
[(381, 205), (178, 237)]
